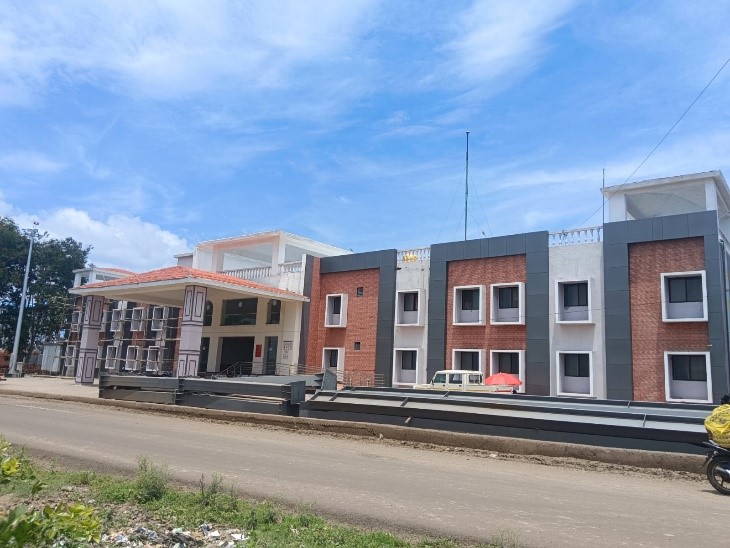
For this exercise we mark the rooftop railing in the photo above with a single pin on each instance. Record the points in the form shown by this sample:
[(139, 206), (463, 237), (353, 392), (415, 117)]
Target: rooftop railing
[(588, 235), (264, 271), (411, 255)]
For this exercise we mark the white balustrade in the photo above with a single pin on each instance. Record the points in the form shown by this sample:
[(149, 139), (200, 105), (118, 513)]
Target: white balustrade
[(249, 273), (588, 235)]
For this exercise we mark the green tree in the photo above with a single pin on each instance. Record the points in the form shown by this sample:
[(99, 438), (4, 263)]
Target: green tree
[(50, 277)]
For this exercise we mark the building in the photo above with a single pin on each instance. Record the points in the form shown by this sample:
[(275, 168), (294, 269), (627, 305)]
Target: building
[(633, 309)]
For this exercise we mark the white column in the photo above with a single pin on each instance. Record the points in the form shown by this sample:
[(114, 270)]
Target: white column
[(89, 345), (191, 331), (710, 196)]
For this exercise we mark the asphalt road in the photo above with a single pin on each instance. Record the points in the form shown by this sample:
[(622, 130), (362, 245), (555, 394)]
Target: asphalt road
[(404, 489)]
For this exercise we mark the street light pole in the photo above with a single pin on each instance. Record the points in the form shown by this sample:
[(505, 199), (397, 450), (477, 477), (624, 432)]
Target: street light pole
[(16, 343)]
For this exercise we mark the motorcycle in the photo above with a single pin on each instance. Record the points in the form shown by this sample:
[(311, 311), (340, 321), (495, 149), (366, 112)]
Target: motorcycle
[(718, 467)]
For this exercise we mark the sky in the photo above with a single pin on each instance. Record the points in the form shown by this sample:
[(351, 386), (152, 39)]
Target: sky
[(143, 127)]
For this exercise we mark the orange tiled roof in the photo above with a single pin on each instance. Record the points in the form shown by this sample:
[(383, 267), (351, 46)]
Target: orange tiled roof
[(173, 273)]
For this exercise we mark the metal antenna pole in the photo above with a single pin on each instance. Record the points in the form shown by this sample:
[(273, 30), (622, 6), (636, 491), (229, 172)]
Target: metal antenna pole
[(603, 205), (466, 193), (16, 343)]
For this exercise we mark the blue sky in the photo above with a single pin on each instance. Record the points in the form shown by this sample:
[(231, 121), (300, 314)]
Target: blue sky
[(143, 127)]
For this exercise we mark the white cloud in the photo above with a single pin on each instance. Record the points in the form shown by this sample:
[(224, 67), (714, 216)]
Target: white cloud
[(169, 49), (26, 161), (498, 39), (118, 240)]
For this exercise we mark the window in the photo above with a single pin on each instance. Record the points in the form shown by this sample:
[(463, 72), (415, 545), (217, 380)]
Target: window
[(117, 317), (687, 377), (410, 302), (685, 289), (208, 314), (507, 303), (336, 311), (408, 360), (575, 294), (575, 376), (110, 361), (159, 315), (439, 378), (470, 299), (455, 378), (468, 308), (239, 312), (687, 367), (407, 311), (333, 358), (508, 362), (273, 312), (684, 297), (509, 297), (360, 291), (357, 345), (153, 358), (132, 359), (138, 316), (75, 321), (469, 360)]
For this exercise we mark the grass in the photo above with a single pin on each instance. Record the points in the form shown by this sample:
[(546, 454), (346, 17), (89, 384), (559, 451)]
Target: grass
[(265, 523)]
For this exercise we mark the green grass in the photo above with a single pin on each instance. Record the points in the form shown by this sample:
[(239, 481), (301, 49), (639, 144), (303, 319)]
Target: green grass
[(265, 523)]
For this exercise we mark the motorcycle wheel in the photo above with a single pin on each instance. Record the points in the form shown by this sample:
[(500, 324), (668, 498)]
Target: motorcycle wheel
[(720, 484)]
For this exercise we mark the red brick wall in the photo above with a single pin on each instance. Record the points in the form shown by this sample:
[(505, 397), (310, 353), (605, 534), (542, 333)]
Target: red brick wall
[(650, 336), (488, 337), (362, 316)]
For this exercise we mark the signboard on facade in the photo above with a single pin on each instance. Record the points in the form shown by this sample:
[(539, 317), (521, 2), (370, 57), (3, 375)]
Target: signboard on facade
[(285, 350)]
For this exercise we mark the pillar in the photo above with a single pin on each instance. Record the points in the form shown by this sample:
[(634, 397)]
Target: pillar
[(89, 344), (191, 330)]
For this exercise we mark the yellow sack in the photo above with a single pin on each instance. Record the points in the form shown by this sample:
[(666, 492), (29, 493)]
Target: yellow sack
[(718, 425)]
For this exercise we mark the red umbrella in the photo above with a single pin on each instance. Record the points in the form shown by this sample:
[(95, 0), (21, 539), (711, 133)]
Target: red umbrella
[(502, 378)]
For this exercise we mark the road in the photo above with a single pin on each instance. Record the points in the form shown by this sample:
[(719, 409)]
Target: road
[(404, 489)]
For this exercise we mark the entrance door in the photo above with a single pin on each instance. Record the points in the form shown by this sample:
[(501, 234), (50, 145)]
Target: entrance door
[(204, 349), (237, 351), (271, 344)]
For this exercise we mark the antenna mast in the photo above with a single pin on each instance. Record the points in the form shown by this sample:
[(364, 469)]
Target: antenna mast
[(603, 205), (466, 193)]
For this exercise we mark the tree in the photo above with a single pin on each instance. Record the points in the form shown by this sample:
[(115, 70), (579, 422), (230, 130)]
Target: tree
[(50, 277)]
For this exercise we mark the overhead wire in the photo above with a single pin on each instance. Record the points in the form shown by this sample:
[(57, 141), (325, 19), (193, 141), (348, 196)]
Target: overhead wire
[(453, 199), (671, 129)]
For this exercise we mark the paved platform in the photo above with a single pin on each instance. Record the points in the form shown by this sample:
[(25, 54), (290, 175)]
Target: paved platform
[(57, 386)]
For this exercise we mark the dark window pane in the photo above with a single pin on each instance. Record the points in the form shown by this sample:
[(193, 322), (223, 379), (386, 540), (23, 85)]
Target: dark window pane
[(694, 289), (470, 299), (509, 362), (575, 294), (336, 304), (332, 356), (685, 289), (410, 302), (357, 345), (689, 368), (509, 297), (239, 312), (576, 365), (208, 315), (360, 291), (273, 315), (470, 361), (408, 360)]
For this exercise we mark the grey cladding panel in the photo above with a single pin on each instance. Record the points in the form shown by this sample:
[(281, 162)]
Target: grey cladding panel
[(615, 233), (538, 261), (640, 231), (516, 244), (498, 246), (702, 224), (536, 241), (675, 226), (615, 278), (473, 249), (616, 255)]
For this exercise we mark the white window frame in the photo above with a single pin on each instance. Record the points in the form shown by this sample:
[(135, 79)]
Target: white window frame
[(396, 365), (457, 304), (159, 315), (75, 321), (139, 314), (668, 375), (135, 360), (70, 351), (666, 275), (340, 359), (494, 301), (343, 310), (559, 302), (400, 300), (108, 358), (156, 361), (494, 365), (480, 351), (559, 374), (117, 319)]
